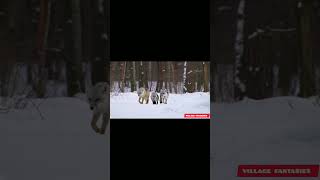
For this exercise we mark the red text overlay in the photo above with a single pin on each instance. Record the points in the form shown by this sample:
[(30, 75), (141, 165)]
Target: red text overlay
[(196, 115), (278, 171)]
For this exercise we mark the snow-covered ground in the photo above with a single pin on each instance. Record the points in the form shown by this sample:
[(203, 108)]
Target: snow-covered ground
[(126, 105), (62, 146), (283, 130)]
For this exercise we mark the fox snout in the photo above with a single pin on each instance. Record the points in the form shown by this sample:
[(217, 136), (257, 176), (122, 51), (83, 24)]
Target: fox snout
[(91, 107)]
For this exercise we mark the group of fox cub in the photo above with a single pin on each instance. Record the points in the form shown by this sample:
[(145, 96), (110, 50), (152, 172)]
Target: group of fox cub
[(144, 95)]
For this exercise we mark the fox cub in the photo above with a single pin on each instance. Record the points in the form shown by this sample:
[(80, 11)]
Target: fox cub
[(98, 98)]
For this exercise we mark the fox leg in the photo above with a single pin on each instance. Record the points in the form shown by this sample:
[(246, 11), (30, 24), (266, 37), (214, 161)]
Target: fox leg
[(147, 100), (94, 120), (157, 98), (140, 100), (105, 122)]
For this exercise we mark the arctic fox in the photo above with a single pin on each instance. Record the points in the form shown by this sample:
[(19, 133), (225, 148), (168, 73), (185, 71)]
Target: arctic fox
[(164, 95), (154, 97), (143, 95), (98, 98)]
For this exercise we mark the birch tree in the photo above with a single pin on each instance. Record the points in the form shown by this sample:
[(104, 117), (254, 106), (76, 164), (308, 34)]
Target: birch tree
[(239, 45), (184, 76)]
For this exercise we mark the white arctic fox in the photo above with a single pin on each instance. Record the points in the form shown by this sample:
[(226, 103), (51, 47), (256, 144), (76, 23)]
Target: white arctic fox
[(154, 97), (143, 95), (98, 98), (164, 95)]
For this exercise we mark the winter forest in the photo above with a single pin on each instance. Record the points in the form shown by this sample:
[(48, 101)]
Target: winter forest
[(266, 78), (50, 52), (176, 76), (188, 84), (263, 49), (49, 47)]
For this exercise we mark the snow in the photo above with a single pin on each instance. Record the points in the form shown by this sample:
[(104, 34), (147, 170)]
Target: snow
[(260, 30), (252, 35), (224, 8), (281, 130), (256, 33), (61, 146), (126, 105)]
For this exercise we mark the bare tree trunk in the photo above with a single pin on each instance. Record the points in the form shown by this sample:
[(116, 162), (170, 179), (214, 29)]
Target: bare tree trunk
[(75, 66), (121, 73), (7, 53), (184, 76), (149, 75), (167, 67), (174, 82), (223, 89), (141, 75), (190, 77), (222, 50), (133, 77), (206, 76), (87, 30), (146, 75), (307, 73), (40, 82), (160, 75), (124, 74), (239, 47)]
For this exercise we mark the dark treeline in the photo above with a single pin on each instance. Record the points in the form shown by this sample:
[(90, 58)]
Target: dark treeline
[(54, 41), (176, 76)]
